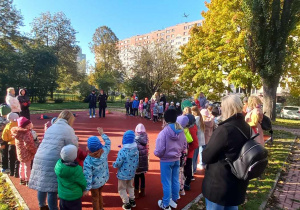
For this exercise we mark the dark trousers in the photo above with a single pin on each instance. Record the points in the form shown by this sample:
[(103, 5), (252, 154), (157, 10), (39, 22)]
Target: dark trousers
[(188, 172), (101, 111), (4, 153), (155, 119), (131, 111), (127, 111), (137, 179), (97, 198), (135, 112), (13, 161), (70, 205)]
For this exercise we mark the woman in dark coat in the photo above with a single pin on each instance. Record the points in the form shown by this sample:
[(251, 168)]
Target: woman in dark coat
[(221, 188), (25, 103), (102, 98), (92, 103)]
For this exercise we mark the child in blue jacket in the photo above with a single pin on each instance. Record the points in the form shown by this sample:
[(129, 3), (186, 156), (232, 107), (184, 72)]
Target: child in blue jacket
[(135, 106), (95, 167), (127, 163)]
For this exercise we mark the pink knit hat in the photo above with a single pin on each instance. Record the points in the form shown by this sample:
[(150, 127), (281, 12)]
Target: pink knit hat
[(23, 122), (140, 128)]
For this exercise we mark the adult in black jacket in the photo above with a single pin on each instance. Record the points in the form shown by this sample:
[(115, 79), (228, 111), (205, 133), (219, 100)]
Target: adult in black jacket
[(24, 103), (220, 187), (163, 99), (92, 103), (102, 98)]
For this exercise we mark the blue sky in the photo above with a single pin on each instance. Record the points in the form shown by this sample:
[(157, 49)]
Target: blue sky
[(125, 17)]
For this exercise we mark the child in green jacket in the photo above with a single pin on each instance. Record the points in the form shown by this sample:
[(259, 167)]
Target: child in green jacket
[(70, 178)]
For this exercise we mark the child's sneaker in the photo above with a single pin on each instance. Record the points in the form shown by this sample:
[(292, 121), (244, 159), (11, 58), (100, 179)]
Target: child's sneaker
[(126, 206), (132, 203), (161, 206), (173, 204), (94, 116), (182, 192), (193, 178), (22, 182), (90, 116)]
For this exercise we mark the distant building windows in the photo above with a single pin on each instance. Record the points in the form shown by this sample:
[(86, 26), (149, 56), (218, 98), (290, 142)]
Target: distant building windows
[(162, 34), (168, 31), (184, 33), (185, 27), (145, 37), (167, 37), (148, 37), (198, 24), (157, 34), (136, 39), (190, 26), (173, 30), (184, 39), (140, 38), (173, 35)]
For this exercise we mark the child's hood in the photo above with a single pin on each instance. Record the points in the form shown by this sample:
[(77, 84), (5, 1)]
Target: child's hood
[(172, 132), (18, 132), (130, 149), (141, 138), (96, 158), (66, 169)]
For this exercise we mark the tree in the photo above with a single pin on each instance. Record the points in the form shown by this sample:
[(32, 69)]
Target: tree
[(270, 25), (155, 64), (137, 84)]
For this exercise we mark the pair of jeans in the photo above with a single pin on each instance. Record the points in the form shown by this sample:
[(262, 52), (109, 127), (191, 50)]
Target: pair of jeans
[(123, 187), (4, 154), (195, 159), (13, 161), (169, 175), (137, 178), (92, 111), (24, 170), (97, 198), (188, 171), (101, 111), (214, 206), (51, 199), (70, 205), (127, 111)]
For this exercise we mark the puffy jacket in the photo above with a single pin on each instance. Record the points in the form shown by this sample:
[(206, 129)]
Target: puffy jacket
[(170, 144), (135, 104), (25, 145), (143, 147), (3, 123), (13, 103), (127, 161), (102, 98), (6, 134), (43, 177), (95, 168), (92, 100), (209, 128), (195, 143), (71, 182), (155, 111)]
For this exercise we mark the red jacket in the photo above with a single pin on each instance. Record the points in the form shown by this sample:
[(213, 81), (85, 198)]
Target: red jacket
[(81, 155), (24, 142), (195, 144)]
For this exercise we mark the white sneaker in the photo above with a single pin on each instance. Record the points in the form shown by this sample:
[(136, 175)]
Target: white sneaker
[(94, 116), (173, 204), (200, 166), (182, 192), (161, 206), (90, 116)]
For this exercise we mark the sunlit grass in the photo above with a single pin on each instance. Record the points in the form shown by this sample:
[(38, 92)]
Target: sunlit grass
[(287, 123)]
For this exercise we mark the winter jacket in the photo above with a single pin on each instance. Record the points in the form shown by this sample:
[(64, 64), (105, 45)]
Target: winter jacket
[(155, 111), (102, 98), (143, 147), (172, 107), (81, 155), (202, 101), (163, 99), (127, 104), (135, 104), (160, 109), (71, 181), (3, 123), (195, 143), (43, 177), (6, 134), (95, 166), (13, 103), (24, 142), (92, 100), (200, 133), (209, 128), (170, 143), (220, 185), (25, 103), (127, 161)]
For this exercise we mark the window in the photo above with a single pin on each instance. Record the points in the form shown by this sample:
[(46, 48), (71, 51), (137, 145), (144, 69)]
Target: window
[(162, 34), (140, 38), (172, 41), (173, 30), (167, 37), (145, 37), (190, 26), (185, 33), (185, 27), (183, 39), (148, 37), (168, 31), (122, 43), (157, 34), (172, 35)]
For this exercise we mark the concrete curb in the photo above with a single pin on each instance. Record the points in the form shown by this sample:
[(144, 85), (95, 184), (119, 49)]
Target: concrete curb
[(196, 200), (264, 204), (21, 201)]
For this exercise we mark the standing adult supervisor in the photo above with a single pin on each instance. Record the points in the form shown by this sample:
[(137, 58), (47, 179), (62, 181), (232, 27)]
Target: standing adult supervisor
[(25, 103), (221, 189), (102, 98), (12, 101), (163, 99), (43, 178)]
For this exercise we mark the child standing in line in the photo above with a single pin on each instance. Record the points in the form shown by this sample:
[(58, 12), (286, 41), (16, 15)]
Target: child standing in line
[(135, 106), (141, 108), (145, 108), (4, 111), (160, 110), (167, 106), (127, 163), (172, 105), (209, 124), (141, 138), (70, 178), (148, 109), (130, 107), (95, 167), (178, 109), (127, 106), (12, 153), (25, 146), (155, 113)]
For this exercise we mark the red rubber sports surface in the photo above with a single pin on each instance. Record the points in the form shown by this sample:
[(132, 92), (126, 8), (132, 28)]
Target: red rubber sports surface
[(114, 126)]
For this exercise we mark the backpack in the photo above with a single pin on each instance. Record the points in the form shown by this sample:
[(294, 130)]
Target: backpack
[(252, 160), (266, 123)]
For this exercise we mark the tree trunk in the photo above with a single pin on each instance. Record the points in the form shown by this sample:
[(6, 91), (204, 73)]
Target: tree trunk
[(269, 92)]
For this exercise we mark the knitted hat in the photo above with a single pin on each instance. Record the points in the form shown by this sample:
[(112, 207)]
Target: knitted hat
[(170, 116), (23, 122), (4, 110), (94, 144), (204, 112), (140, 128), (128, 137), (183, 120), (12, 117), (177, 104), (69, 153), (192, 120)]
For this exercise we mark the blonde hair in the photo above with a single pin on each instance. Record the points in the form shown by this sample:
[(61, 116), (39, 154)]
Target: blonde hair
[(231, 105), (8, 90), (196, 112), (187, 110), (253, 102), (67, 115)]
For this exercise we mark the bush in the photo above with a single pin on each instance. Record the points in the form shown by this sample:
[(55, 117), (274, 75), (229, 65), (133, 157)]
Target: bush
[(58, 100), (42, 100)]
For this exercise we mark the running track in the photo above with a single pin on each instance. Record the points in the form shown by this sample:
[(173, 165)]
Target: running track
[(114, 126)]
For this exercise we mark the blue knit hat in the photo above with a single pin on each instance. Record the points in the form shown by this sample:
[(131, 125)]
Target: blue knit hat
[(94, 144), (183, 120), (128, 137)]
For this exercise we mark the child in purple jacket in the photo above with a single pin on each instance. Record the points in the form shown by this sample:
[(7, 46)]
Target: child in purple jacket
[(170, 144)]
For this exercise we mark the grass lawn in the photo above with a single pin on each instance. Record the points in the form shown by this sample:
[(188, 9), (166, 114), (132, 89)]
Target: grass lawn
[(7, 198), (258, 189), (287, 123)]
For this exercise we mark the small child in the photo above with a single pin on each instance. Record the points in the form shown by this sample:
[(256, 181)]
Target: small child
[(12, 153), (172, 105), (148, 109), (70, 178), (145, 108), (127, 106), (127, 163), (4, 111), (167, 106), (141, 139), (155, 113), (95, 167), (25, 146), (135, 106), (160, 110), (141, 107), (130, 107)]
